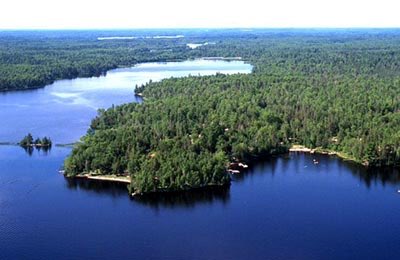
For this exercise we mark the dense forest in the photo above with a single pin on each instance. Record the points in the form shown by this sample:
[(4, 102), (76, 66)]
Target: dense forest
[(338, 91), (34, 59)]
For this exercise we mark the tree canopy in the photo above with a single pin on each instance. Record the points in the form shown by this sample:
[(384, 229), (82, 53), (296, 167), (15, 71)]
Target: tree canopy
[(337, 90)]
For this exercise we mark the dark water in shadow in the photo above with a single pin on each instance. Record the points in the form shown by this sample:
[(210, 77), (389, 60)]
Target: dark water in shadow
[(184, 199)]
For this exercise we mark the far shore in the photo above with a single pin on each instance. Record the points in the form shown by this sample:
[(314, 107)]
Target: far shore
[(221, 58)]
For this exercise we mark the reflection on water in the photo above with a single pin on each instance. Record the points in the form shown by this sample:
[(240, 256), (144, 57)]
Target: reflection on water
[(186, 199), (373, 175), (281, 163), (263, 165), (43, 150), (110, 188), (285, 164), (183, 199)]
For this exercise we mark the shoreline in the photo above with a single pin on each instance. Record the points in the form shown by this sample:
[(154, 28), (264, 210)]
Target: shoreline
[(106, 178), (108, 69), (127, 180), (319, 150), (231, 170)]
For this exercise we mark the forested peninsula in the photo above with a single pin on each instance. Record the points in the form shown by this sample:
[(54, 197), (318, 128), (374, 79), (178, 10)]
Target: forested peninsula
[(336, 91)]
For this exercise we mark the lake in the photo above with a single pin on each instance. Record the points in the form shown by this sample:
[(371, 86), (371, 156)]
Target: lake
[(63, 110), (283, 208)]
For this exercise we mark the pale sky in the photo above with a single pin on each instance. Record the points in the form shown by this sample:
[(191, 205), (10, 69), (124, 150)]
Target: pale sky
[(79, 14)]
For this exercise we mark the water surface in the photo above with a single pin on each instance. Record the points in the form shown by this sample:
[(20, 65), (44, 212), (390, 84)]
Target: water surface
[(284, 208), (63, 110)]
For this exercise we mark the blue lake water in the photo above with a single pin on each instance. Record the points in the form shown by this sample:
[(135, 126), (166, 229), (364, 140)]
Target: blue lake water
[(283, 208), (63, 110)]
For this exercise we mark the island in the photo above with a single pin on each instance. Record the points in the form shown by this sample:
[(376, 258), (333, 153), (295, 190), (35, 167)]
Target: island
[(29, 141)]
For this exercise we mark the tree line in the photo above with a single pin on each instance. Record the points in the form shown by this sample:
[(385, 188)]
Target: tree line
[(32, 60), (333, 90), (327, 94)]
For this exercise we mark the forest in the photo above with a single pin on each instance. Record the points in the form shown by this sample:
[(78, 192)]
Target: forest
[(334, 91), (30, 59), (33, 59)]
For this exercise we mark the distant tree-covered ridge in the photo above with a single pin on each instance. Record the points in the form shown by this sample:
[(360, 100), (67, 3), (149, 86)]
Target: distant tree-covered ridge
[(32, 59), (35, 59), (338, 93)]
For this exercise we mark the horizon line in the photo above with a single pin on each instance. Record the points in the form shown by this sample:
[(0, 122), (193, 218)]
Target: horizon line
[(204, 28)]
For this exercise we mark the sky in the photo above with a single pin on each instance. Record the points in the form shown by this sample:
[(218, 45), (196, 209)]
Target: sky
[(113, 14)]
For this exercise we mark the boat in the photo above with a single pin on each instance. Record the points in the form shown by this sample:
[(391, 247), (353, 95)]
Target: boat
[(233, 171)]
